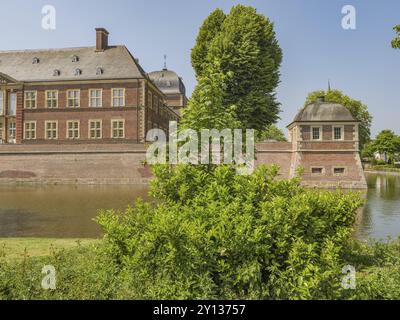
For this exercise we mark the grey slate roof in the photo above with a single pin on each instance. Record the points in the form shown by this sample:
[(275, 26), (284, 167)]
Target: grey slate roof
[(324, 111), (116, 62), (167, 81)]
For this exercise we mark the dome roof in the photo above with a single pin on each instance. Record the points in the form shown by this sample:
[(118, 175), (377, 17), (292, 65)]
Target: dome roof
[(167, 81), (322, 111)]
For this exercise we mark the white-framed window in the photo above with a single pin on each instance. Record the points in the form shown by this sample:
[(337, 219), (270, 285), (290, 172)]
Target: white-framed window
[(317, 171), (2, 95), (12, 104), (316, 133), (338, 133), (73, 98), (96, 98), (95, 129), (73, 129), (118, 129), (51, 130), (52, 99), (118, 97), (339, 171), (30, 130), (30, 99), (12, 131)]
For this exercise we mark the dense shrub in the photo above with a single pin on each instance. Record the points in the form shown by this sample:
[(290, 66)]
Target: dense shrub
[(214, 234)]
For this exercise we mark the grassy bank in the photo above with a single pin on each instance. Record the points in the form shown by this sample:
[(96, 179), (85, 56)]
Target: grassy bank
[(383, 168), (18, 248)]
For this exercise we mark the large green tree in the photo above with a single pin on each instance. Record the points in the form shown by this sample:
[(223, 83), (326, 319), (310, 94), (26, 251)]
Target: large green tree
[(387, 142), (396, 41), (242, 47), (356, 107)]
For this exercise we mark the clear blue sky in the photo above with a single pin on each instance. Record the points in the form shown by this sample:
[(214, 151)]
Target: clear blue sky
[(360, 62)]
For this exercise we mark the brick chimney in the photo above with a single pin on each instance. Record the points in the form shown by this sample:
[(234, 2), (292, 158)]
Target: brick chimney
[(101, 39)]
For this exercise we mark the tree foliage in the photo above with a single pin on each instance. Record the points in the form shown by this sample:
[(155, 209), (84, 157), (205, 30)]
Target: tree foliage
[(356, 107), (272, 133), (396, 40), (241, 46)]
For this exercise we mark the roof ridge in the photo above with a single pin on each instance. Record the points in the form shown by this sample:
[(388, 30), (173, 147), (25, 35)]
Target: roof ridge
[(55, 49)]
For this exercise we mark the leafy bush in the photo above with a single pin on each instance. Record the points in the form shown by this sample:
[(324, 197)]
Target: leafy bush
[(214, 234)]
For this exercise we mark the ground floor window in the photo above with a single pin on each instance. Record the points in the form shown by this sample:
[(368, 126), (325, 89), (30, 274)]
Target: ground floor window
[(72, 129), (51, 130), (30, 130), (1, 131), (118, 129), (339, 171), (95, 129), (317, 171)]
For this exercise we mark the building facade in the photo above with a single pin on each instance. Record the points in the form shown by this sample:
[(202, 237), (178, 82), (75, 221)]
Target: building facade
[(78, 96)]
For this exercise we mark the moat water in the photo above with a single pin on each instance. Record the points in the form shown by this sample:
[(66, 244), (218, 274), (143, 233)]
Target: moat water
[(68, 211)]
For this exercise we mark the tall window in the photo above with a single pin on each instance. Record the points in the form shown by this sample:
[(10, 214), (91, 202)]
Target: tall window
[(96, 100), (1, 131), (52, 99), (30, 99), (12, 104), (72, 129), (30, 130), (150, 100), (95, 129), (11, 131), (51, 130), (118, 97), (1, 103), (118, 129), (316, 133), (338, 133), (74, 98)]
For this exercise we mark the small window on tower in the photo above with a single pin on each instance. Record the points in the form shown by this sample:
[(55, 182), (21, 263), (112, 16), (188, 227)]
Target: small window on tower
[(317, 171)]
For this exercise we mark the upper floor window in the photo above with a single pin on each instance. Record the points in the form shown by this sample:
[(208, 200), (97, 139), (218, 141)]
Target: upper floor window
[(30, 99), (337, 133), (73, 129), (30, 130), (12, 104), (96, 98), (1, 103), (316, 133), (118, 97), (74, 98), (52, 99)]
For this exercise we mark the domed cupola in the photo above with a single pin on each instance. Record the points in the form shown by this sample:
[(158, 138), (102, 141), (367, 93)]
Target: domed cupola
[(172, 86)]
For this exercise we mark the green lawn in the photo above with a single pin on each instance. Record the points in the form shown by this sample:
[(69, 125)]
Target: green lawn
[(17, 248)]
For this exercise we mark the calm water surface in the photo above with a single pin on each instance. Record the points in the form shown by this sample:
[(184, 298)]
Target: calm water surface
[(60, 211), (68, 211), (381, 215)]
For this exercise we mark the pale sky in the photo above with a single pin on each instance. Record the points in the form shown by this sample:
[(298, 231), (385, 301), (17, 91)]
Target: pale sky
[(315, 46)]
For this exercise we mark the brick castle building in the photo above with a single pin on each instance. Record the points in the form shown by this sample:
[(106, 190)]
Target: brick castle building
[(81, 115), (81, 95)]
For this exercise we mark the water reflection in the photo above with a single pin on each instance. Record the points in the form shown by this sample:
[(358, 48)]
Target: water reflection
[(60, 211), (381, 215)]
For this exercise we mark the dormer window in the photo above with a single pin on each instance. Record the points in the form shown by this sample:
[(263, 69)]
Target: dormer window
[(75, 59), (35, 60), (78, 72), (99, 71), (56, 73)]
